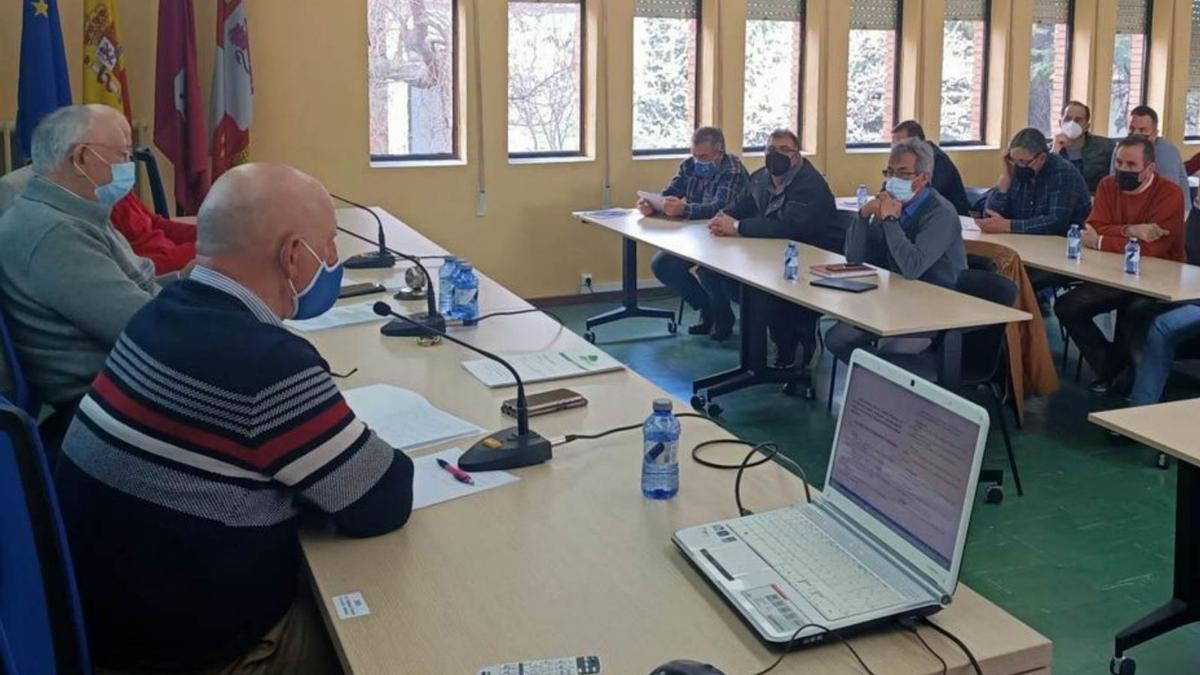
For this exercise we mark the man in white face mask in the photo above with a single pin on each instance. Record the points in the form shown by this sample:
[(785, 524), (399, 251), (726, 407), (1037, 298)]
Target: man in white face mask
[(69, 282), (1087, 152)]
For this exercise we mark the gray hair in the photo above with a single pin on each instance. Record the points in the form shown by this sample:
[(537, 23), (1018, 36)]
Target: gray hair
[(710, 135), (1031, 140), (56, 135), (917, 148)]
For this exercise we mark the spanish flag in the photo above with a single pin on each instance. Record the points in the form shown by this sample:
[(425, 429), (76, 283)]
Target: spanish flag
[(104, 78)]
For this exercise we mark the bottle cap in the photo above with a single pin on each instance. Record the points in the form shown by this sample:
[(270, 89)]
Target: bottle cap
[(662, 405)]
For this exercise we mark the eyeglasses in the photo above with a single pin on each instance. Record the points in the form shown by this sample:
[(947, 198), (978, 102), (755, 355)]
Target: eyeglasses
[(903, 174), (1026, 163), (124, 154), (782, 149)]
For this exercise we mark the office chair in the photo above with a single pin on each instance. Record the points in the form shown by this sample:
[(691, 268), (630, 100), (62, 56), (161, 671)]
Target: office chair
[(145, 156), (13, 385), (39, 602)]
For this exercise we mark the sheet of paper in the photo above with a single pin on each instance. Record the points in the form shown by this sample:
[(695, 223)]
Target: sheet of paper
[(608, 213), (655, 199), (404, 419), (342, 315), (432, 484), (847, 203), (968, 224), (543, 366)]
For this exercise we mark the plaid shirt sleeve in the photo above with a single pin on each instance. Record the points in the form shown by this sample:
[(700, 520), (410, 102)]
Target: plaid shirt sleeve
[(730, 184), (1055, 209), (678, 187)]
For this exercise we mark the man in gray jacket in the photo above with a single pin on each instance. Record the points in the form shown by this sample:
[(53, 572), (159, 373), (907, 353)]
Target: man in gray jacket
[(69, 282), (908, 229)]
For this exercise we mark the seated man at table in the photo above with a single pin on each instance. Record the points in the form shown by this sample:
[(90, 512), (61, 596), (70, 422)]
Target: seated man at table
[(1135, 203), (1090, 154), (1143, 121), (169, 244), (68, 281), (908, 228), (1169, 329), (210, 433), (946, 179), (788, 199), (1038, 192), (707, 182)]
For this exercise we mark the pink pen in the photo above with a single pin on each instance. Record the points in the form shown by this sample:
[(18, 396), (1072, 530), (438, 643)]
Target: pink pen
[(459, 475)]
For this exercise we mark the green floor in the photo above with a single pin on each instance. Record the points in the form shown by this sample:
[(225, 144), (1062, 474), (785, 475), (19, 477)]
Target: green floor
[(1085, 552)]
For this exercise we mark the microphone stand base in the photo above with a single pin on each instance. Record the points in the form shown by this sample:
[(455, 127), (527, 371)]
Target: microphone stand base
[(402, 328), (374, 260), (506, 450), (408, 293)]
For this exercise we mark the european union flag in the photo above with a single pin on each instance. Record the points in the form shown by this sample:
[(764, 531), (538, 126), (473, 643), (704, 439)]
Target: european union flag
[(43, 86)]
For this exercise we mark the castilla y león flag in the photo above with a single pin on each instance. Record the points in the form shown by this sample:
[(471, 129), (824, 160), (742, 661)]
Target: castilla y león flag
[(232, 90), (180, 128), (104, 78)]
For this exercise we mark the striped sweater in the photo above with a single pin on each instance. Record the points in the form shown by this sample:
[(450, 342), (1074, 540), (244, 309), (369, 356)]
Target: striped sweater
[(210, 431)]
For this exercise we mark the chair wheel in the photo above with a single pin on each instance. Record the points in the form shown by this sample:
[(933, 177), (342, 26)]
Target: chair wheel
[(714, 410), (590, 337), (698, 403), (672, 327), (994, 494), (1163, 461), (1121, 665), (809, 393)]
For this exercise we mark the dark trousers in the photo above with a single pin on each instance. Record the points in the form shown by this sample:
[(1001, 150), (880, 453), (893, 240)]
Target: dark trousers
[(1193, 236), (1077, 310), (721, 291), (791, 326), (676, 274)]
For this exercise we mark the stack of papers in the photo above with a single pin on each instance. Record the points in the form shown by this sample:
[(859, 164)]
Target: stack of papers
[(432, 484), (542, 366), (343, 315), (404, 419), (655, 198), (968, 224)]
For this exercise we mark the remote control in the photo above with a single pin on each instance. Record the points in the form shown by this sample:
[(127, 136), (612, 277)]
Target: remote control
[(579, 665)]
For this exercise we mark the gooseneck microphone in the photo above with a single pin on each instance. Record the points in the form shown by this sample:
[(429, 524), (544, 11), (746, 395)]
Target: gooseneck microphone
[(510, 448), (381, 259), (413, 325)]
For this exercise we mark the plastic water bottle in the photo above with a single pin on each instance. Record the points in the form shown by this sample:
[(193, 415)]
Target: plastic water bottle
[(466, 293), (1074, 243), (660, 459), (791, 262), (864, 196), (446, 284), (1133, 257)]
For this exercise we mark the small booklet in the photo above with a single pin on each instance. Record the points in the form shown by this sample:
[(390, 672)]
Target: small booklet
[(843, 270), (542, 366)]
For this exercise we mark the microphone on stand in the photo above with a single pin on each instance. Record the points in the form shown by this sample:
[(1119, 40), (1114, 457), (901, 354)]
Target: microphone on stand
[(413, 326), (381, 259), (510, 448)]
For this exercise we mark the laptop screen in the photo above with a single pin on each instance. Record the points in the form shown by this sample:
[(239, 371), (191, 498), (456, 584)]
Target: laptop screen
[(905, 460)]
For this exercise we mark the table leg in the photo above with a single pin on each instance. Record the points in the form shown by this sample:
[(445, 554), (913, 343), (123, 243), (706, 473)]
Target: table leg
[(1184, 606), (950, 375), (629, 301)]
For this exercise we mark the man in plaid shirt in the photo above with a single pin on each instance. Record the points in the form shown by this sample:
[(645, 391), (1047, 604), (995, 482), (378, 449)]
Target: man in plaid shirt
[(707, 182), (1039, 192)]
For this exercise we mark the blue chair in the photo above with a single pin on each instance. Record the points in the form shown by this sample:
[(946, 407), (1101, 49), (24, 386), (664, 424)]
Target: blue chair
[(21, 394), (39, 602), (158, 195)]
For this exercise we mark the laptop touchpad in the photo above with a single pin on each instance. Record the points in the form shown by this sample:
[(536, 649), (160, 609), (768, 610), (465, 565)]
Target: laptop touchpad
[(737, 560)]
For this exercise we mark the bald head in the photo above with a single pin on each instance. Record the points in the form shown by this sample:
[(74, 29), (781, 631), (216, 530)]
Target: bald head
[(253, 208)]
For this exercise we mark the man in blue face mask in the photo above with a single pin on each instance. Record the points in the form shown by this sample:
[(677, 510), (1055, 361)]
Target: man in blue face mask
[(69, 282)]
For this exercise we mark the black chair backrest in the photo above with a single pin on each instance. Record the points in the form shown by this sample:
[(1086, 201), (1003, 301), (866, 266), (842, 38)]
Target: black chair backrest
[(145, 156), (833, 237), (982, 348), (1192, 239), (981, 263)]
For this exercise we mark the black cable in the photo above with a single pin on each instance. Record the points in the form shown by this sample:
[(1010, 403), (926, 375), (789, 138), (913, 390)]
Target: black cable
[(792, 642), (961, 645), (515, 312), (912, 627)]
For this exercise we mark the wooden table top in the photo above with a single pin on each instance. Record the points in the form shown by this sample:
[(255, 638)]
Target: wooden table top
[(1172, 428)]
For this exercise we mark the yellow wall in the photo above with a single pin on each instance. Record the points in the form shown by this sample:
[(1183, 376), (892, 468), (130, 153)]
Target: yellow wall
[(311, 111)]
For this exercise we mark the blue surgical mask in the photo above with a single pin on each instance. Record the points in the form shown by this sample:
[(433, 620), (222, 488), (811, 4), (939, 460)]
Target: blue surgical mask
[(320, 293), (124, 176), (704, 169), (899, 188)]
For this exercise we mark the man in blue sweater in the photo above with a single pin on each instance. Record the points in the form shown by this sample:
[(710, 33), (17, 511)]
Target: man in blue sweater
[(209, 433)]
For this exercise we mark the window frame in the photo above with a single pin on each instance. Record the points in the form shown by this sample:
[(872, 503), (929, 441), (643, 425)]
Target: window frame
[(583, 90), (803, 61), (983, 94), (1144, 66), (897, 73), (1067, 63), (455, 153), (696, 124), (1188, 89)]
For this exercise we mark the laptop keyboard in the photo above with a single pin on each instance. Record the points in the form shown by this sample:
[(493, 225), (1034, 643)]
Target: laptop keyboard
[(834, 581)]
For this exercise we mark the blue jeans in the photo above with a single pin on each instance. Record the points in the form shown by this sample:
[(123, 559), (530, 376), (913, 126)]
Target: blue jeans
[(1165, 334)]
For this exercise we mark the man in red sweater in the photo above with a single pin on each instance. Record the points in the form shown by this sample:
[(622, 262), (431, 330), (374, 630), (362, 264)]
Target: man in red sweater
[(170, 245), (1134, 203)]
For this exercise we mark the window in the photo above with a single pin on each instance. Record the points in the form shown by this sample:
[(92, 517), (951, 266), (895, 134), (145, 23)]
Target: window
[(666, 72), (964, 71), (873, 71), (545, 76), (1191, 123), (774, 67), (1050, 62), (1129, 62), (410, 61)]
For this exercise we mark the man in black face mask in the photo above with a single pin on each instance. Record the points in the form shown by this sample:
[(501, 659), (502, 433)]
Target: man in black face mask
[(786, 199), (1038, 192)]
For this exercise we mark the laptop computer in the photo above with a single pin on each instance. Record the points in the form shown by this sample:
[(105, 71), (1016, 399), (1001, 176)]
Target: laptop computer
[(884, 540)]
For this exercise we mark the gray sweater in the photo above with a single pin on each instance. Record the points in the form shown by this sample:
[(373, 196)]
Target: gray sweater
[(925, 244), (69, 283)]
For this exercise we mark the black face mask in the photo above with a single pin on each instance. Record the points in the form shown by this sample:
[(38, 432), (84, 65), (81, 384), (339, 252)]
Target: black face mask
[(1128, 180), (1024, 174), (778, 163)]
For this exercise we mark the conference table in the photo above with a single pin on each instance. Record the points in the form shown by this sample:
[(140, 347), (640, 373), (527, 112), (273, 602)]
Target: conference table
[(1173, 429), (898, 307), (571, 560)]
